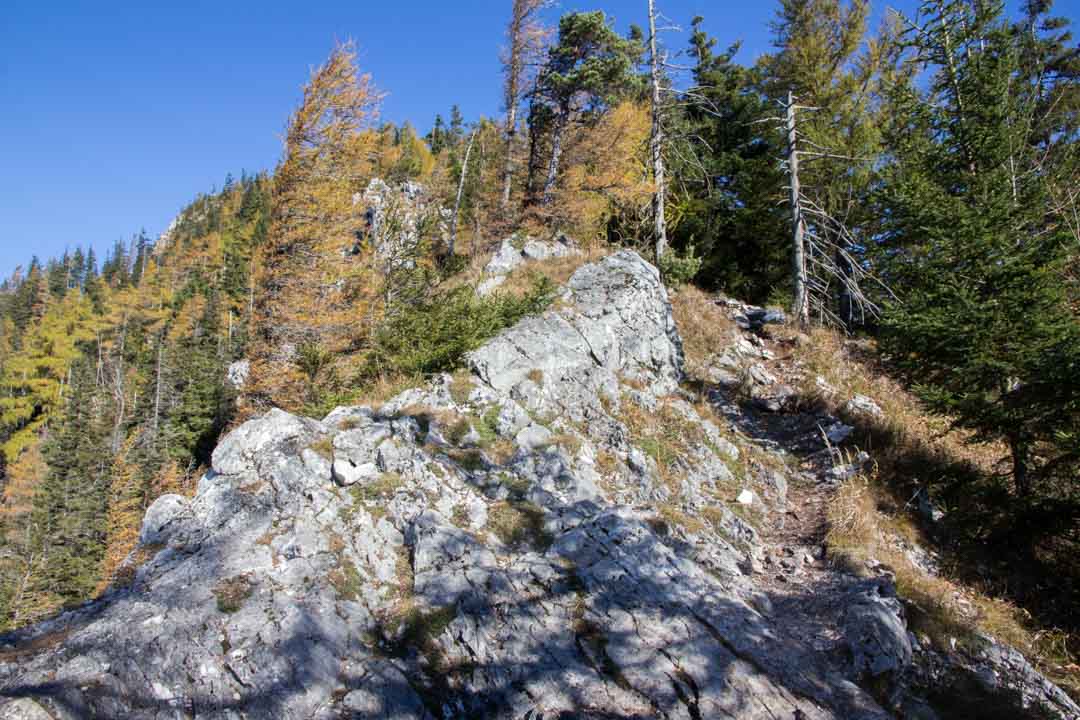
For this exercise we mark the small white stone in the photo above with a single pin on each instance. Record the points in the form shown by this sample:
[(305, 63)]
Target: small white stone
[(746, 497), (346, 473)]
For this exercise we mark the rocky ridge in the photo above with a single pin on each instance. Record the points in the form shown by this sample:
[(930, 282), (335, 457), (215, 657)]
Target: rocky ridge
[(563, 531)]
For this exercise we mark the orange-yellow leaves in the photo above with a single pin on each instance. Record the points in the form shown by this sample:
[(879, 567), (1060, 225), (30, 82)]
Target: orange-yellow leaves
[(311, 288)]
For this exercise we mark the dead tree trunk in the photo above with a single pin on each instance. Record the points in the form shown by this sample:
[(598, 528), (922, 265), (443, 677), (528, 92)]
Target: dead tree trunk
[(525, 35), (801, 305), (460, 192), (508, 160), (656, 142)]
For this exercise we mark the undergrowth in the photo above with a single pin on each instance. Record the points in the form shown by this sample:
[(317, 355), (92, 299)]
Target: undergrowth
[(434, 334), (985, 587)]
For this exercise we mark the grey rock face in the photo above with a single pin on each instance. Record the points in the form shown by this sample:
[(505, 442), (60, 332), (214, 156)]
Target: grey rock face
[(876, 634), (158, 516), (394, 218), (238, 373), (23, 709), (515, 251), (428, 572), (993, 676), (275, 432), (616, 324), (862, 406)]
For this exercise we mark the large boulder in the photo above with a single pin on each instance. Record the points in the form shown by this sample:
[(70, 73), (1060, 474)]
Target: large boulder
[(614, 324)]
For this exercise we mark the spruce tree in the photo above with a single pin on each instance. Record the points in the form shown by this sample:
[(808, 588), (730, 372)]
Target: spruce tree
[(732, 176), (69, 509), (983, 326)]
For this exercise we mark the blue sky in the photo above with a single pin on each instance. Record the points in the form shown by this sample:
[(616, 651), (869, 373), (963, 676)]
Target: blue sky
[(114, 114)]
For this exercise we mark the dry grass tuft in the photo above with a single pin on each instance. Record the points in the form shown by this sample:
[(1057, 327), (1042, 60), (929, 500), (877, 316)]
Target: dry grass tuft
[(36, 645), (704, 326), (125, 574), (324, 447), (461, 386), (382, 388), (558, 270), (519, 524), (940, 609), (232, 592), (673, 515), (346, 581)]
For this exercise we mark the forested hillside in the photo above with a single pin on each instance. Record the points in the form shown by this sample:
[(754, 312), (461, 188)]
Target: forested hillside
[(115, 391), (915, 184)]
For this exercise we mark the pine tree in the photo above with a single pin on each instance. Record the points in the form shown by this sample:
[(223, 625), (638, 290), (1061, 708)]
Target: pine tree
[(588, 71)]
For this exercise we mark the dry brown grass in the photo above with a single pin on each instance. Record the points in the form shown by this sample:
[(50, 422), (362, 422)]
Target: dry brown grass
[(36, 645), (558, 270), (939, 608), (704, 326), (346, 581), (461, 386), (125, 574), (906, 426), (324, 447), (673, 515), (232, 592), (520, 281), (382, 388), (518, 524)]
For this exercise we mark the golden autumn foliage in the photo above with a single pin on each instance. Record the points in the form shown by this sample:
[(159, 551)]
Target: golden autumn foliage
[(313, 294), (401, 154), (33, 378), (605, 174), (126, 505)]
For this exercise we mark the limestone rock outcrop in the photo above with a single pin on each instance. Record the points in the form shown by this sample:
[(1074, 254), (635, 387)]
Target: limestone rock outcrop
[(499, 545)]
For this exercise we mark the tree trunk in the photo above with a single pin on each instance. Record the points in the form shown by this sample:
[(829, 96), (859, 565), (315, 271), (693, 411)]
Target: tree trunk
[(801, 305), (556, 154), (508, 161), (460, 192), (656, 143), (1019, 450)]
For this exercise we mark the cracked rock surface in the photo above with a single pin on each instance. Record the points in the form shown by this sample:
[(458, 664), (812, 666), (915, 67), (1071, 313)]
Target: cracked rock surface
[(501, 546)]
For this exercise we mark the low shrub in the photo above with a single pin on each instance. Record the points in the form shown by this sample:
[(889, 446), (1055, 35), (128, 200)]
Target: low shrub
[(434, 334)]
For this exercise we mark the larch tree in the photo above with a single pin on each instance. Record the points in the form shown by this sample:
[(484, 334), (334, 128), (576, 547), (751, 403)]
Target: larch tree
[(526, 37), (311, 291), (587, 72)]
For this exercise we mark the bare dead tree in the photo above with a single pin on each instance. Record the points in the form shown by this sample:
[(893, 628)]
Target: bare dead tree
[(460, 192), (656, 140), (800, 304), (526, 37), (821, 256)]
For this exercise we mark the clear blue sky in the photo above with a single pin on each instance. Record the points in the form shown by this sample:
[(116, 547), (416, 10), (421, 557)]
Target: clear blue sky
[(114, 114)]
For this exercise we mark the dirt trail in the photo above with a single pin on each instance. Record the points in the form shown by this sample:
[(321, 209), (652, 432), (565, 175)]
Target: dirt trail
[(807, 594)]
